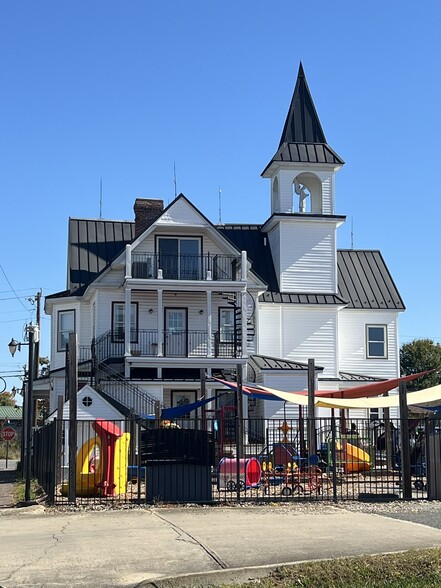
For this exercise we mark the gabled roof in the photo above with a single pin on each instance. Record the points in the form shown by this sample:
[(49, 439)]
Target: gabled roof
[(251, 239), (365, 281), (303, 139), (93, 244), (363, 278)]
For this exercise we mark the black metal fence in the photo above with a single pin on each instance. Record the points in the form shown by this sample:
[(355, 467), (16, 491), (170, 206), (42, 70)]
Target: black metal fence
[(223, 459)]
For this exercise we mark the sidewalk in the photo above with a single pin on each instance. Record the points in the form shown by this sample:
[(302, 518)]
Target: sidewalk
[(133, 547), (7, 479)]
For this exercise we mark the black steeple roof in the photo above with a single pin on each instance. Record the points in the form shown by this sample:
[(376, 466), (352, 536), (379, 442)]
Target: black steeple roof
[(302, 124), (303, 139)]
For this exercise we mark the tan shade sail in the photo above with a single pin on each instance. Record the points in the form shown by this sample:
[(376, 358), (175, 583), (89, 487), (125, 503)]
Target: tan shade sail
[(421, 397)]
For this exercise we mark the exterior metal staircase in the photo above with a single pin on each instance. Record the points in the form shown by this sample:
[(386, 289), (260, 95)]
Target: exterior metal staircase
[(129, 396)]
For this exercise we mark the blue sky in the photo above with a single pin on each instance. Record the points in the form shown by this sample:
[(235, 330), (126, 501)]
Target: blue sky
[(122, 90)]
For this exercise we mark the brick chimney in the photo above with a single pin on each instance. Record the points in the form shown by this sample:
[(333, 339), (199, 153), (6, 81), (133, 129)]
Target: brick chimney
[(147, 210)]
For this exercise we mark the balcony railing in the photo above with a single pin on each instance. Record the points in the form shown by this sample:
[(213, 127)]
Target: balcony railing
[(185, 267), (175, 344)]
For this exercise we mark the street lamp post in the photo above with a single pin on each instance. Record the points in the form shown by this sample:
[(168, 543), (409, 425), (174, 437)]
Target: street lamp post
[(32, 331)]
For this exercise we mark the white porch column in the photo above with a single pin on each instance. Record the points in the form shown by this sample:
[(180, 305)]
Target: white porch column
[(160, 323), (209, 325), (244, 313), (128, 261), (127, 325), (243, 266)]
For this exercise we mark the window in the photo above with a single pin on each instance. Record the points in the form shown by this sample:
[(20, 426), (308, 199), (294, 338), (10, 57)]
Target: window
[(179, 258), (66, 325), (226, 325), (118, 322), (376, 340)]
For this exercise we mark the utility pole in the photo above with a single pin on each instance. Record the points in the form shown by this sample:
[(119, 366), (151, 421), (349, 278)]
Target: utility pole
[(37, 344), (37, 354)]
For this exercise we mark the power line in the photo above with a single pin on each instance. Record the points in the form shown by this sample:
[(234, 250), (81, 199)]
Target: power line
[(21, 290), (12, 288)]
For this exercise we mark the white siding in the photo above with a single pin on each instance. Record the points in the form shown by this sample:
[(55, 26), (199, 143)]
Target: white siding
[(148, 245), (307, 257), (58, 358), (352, 343), (99, 409), (327, 195), (270, 317), (114, 277), (84, 324), (299, 333), (181, 213)]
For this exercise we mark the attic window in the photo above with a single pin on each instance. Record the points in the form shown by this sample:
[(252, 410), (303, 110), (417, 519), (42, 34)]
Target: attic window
[(87, 401)]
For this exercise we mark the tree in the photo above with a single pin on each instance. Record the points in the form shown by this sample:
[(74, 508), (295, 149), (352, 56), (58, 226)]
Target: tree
[(418, 356), (7, 399)]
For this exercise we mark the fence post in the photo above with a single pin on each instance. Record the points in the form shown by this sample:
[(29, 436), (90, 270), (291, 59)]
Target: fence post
[(312, 441), (58, 438), (334, 459), (429, 473), (138, 463), (73, 390), (405, 445), (239, 427)]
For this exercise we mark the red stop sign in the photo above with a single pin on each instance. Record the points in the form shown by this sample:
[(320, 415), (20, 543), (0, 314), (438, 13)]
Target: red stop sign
[(7, 433)]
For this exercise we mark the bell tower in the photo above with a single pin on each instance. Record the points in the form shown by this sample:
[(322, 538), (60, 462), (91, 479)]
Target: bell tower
[(302, 200)]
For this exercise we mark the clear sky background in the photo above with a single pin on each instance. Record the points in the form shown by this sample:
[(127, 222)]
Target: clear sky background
[(122, 90)]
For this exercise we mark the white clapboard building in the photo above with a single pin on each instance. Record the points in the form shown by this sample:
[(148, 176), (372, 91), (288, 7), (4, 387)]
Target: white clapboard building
[(162, 299)]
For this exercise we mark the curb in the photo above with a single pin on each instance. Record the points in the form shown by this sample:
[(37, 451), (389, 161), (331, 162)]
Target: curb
[(236, 575), (214, 578)]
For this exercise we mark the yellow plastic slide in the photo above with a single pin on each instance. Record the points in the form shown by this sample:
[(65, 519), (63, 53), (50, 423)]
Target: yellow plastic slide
[(352, 457)]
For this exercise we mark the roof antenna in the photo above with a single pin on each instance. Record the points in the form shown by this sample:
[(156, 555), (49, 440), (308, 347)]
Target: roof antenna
[(174, 179), (220, 205), (352, 232), (101, 197)]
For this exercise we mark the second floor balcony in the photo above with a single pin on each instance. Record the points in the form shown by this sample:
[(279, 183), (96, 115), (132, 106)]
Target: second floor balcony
[(185, 267), (175, 344)]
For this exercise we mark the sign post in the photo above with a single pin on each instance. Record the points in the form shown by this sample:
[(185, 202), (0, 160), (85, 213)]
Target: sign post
[(7, 434)]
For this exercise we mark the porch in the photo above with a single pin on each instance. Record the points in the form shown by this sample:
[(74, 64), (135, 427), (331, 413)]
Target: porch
[(170, 266), (175, 343)]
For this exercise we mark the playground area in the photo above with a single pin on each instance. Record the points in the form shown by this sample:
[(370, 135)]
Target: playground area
[(208, 461)]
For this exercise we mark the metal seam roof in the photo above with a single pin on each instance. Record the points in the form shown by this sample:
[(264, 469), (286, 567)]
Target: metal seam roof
[(364, 282)]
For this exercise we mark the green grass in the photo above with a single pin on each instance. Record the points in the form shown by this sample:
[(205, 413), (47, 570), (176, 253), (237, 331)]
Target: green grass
[(19, 491), (413, 569)]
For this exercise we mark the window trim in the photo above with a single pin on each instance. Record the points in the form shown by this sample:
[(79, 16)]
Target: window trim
[(60, 312), (385, 341), (232, 309), (116, 339)]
